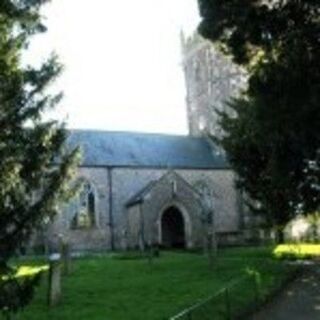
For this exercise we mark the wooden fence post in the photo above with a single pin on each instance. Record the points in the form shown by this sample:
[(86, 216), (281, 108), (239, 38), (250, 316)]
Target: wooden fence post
[(66, 257), (54, 288), (228, 309), (256, 289)]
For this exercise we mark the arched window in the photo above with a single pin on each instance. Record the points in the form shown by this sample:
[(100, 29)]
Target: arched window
[(85, 215)]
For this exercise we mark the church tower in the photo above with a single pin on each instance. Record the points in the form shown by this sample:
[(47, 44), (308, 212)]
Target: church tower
[(211, 79)]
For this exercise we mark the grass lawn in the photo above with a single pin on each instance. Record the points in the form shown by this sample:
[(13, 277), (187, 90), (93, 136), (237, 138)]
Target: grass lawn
[(107, 288)]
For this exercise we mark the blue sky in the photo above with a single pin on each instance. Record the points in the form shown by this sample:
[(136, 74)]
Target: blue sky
[(122, 62)]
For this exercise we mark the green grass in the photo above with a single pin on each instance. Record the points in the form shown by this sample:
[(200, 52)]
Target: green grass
[(105, 288)]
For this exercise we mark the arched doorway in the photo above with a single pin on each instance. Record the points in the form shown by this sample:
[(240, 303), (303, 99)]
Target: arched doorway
[(172, 228)]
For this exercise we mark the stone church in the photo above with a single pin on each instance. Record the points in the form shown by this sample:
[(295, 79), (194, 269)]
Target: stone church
[(141, 187)]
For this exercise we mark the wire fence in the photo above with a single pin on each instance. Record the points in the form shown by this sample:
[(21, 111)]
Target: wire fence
[(240, 295)]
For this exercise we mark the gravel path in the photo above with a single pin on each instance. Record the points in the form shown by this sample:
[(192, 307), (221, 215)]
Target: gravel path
[(300, 301)]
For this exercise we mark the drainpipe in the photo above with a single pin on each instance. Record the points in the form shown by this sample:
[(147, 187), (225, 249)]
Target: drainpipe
[(110, 213)]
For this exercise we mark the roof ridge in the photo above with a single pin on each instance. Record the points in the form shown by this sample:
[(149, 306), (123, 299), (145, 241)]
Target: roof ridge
[(120, 132)]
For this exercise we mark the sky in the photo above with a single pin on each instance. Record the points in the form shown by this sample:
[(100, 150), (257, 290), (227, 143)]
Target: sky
[(122, 62)]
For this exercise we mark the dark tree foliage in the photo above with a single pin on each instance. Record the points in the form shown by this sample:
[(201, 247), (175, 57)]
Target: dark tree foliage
[(276, 127), (31, 188)]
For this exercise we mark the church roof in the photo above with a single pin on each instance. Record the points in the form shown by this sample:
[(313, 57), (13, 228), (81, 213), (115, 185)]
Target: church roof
[(139, 196), (130, 149)]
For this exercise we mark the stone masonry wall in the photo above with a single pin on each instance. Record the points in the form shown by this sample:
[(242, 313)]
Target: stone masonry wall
[(161, 197), (126, 182), (96, 238), (211, 79)]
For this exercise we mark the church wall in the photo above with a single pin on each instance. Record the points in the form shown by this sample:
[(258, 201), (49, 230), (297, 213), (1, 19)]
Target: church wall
[(225, 196), (162, 196), (127, 182), (96, 237), (134, 227)]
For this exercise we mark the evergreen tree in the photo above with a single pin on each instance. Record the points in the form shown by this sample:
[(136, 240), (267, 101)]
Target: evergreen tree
[(31, 188), (276, 127)]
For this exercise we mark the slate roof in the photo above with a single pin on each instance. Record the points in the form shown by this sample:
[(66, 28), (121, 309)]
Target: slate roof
[(139, 196), (142, 193), (131, 149)]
